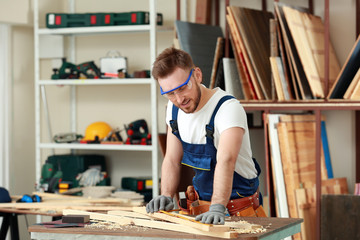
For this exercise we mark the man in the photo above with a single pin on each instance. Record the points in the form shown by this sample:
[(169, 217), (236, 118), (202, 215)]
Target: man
[(208, 132)]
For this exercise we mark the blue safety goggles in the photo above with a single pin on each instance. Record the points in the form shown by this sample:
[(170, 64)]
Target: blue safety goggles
[(186, 82)]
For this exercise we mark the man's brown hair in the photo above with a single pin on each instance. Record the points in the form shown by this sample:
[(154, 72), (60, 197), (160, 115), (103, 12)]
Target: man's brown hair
[(169, 60)]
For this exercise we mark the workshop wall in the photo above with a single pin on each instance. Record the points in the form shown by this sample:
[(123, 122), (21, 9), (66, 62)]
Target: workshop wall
[(119, 105)]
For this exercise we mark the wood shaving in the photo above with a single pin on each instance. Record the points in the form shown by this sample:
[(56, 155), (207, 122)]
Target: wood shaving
[(103, 225)]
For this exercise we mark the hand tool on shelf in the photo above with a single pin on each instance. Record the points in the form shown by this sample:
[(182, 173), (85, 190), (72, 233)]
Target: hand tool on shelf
[(138, 133)]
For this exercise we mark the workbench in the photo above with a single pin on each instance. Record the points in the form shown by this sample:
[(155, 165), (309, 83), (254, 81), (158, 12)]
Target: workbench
[(10, 220), (277, 228)]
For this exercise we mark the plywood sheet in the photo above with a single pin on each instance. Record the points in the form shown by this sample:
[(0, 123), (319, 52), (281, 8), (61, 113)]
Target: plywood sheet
[(244, 73), (250, 80), (254, 29), (219, 53), (307, 31), (300, 75)]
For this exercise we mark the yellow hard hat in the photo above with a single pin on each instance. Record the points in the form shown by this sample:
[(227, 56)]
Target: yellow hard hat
[(99, 129)]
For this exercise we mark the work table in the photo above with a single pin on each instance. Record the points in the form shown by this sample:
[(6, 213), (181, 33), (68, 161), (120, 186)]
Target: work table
[(277, 228)]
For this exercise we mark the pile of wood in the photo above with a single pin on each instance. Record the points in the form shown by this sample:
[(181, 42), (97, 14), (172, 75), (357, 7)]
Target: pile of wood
[(250, 40), (293, 163), (168, 221), (300, 38), (56, 203)]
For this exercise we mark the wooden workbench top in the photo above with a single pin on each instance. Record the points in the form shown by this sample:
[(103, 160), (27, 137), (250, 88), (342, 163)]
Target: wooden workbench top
[(277, 228)]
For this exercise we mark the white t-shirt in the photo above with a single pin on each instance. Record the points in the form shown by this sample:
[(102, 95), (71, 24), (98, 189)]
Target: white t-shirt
[(230, 114)]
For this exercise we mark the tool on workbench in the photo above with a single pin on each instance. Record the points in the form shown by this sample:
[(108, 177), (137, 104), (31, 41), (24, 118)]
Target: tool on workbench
[(76, 218), (30, 199), (138, 133), (50, 177)]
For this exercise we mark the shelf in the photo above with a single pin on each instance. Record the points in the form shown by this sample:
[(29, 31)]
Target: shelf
[(321, 104), (101, 30), (114, 81), (80, 146)]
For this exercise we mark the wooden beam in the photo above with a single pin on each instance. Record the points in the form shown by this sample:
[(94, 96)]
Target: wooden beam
[(183, 221), (153, 224), (184, 229), (128, 214)]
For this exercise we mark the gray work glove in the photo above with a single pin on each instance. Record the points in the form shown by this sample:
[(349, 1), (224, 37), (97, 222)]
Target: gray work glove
[(215, 215), (160, 203)]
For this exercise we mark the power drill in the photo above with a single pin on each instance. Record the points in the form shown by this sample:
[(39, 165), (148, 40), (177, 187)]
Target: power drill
[(138, 133), (89, 69)]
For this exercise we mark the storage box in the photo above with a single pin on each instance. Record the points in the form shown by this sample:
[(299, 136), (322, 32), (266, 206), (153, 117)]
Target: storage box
[(64, 20)]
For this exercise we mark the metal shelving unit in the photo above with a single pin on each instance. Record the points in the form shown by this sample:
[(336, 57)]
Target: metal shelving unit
[(40, 85)]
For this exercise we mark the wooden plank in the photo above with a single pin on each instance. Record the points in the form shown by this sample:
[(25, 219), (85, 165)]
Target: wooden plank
[(152, 224), (182, 221), (285, 58), (300, 76), (254, 24), (308, 33), (277, 81), (244, 56), (184, 229), (219, 52), (128, 214), (336, 185), (277, 167), (240, 57), (347, 73), (307, 213)]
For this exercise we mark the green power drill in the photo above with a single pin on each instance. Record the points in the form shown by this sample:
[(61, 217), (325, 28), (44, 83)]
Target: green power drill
[(50, 177)]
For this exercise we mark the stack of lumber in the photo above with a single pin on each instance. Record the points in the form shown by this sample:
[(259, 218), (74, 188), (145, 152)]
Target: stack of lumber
[(55, 203), (293, 163), (250, 40), (169, 221), (297, 59)]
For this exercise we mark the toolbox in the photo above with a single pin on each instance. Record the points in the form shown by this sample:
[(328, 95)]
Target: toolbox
[(66, 20), (71, 165), (142, 185)]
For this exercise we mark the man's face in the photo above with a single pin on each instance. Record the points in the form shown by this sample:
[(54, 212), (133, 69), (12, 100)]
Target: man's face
[(182, 88)]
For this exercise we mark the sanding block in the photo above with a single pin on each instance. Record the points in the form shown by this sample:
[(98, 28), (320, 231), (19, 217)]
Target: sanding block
[(75, 218)]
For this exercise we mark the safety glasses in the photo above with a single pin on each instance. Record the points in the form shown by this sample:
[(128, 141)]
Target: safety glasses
[(186, 85)]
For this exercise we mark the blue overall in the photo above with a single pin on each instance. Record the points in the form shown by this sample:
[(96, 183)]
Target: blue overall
[(202, 158)]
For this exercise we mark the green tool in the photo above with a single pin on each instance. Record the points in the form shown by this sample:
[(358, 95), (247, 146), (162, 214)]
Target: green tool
[(66, 71)]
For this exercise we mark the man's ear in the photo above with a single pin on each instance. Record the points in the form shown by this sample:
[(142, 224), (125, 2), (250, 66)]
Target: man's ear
[(198, 75)]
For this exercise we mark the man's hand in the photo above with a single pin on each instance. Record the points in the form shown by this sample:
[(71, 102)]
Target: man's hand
[(215, 215), (160, 203)]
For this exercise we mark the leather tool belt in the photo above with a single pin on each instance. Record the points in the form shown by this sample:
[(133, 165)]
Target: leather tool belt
[(246, 206)]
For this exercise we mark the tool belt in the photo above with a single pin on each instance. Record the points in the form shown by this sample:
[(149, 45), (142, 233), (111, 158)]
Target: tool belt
[(245, 207)]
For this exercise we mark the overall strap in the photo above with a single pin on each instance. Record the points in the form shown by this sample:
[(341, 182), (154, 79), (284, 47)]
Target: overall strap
[(173, 122), (210, 127)]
